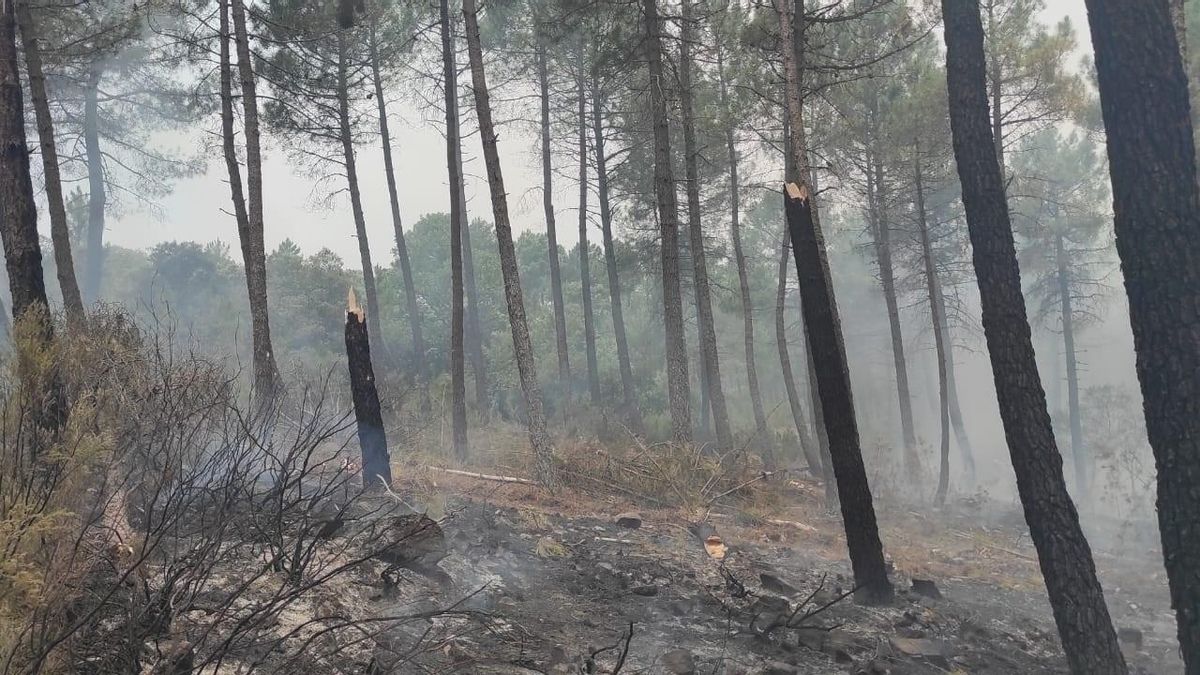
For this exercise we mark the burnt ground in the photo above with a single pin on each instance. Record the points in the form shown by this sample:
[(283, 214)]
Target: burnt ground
[(552, 584)]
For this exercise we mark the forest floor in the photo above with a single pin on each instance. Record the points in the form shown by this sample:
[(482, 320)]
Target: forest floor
[(542, 583)]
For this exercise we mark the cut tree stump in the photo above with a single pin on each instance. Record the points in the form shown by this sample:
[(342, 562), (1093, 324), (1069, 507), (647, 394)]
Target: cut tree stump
[(376, 468)]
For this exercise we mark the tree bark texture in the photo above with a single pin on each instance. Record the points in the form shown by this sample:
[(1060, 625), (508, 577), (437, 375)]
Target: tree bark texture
[(812, 454), (710, 359), (585, 272), (1067, 311), (761, 432), (59, 233), (413, 309), (372, 439), (939, 337), (824, 337), (556, 292), (356, 207), (97, 186), (254, 254), (678, 387), (956, 419), (1063, 553), (539, 437), (18, 225), (833, 382), (472, 332), (632, 412), (887, 282), (1144, 99), (458, 374)]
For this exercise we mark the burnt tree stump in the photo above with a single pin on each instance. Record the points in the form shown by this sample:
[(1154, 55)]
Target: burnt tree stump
[(376, 469)]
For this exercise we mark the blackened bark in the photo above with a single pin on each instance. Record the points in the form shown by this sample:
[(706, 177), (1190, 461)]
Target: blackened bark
[(413, 309), (632, 412), (458, 375), (1144, 99), (939, 337), (97, 186), (360, 222), (18, 226), (543, 447), (22, 248), (372, 439), (1082, 464), (254, 254), (1063, 553), (811, 452), (556, 293), (882, 231), (678, 387), (585, 272), (710, 360), (833, 382), (59, 233)]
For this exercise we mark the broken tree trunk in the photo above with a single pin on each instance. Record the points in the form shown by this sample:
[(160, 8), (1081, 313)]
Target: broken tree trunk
[(376, 469), (833, 382)]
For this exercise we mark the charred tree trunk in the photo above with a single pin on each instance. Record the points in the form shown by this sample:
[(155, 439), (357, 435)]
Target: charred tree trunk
[(1063, 552), (939, 337), (812, 453), (833, 382), (59, 232), (1082, 465), (739, 258), (678, 387), (360, 222), (254, 254), (543, 447), (97, 187), (1144, 98), (410, 292), (877, 201), (372, 439), (18, 229), (458, 374), (22, 247), (585, 272), (556, 293), (632, 412), (825, 340), (710, 360)]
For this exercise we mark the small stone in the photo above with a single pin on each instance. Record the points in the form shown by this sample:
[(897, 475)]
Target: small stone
[(679, 662), (926, 588), (631, 520), (923, 647), (812, 638)]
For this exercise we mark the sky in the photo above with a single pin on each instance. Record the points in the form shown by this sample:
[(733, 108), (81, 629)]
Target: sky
[(199, 207)]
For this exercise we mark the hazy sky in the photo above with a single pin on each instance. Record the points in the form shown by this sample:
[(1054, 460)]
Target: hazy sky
[(197, 210)]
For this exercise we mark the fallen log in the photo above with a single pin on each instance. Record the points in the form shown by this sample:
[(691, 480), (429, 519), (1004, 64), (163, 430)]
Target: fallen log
[(486, 476)]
